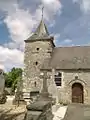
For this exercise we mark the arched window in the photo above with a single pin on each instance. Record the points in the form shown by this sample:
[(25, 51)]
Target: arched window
[(58, 78)]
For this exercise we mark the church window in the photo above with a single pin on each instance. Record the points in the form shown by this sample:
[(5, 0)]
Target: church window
[(58, 78)]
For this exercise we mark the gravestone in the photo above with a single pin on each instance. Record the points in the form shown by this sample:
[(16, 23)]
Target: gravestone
[(39, 110), (2, 88), (19, 100)]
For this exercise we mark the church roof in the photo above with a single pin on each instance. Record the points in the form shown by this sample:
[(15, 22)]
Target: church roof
[(41, 32), (76, 57)]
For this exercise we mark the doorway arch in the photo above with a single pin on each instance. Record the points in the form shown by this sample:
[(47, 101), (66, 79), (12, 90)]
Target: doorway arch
[(77, 93)]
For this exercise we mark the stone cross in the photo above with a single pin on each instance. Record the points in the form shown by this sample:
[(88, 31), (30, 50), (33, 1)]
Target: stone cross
[(44, 91)]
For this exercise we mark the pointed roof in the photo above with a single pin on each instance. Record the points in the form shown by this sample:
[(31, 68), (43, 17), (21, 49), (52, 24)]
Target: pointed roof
[(41, 32)]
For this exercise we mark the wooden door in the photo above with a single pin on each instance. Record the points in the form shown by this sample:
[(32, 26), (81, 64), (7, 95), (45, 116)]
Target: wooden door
[(77, 93)]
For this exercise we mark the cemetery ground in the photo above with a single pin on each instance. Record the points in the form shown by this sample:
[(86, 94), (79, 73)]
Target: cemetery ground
[(58, 111), (15, 112), (8, 111)]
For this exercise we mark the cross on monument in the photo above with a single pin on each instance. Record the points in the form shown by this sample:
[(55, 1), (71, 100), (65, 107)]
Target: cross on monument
[(44, 91)]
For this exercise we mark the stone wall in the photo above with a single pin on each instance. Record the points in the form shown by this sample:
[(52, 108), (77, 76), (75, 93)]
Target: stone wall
[(35, 54), (65, 91)]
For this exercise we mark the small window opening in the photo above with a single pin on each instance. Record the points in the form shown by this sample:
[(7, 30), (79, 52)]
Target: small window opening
[(36, 63), (35, 84), (37, 49)]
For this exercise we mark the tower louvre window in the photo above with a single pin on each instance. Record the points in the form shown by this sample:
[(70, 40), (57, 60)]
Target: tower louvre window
[(58, 78)]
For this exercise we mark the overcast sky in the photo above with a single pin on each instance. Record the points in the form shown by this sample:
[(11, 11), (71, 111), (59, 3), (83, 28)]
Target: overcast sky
[(67, 20)]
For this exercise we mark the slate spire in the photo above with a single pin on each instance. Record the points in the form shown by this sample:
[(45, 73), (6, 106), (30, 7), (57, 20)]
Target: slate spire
[(41, 31)]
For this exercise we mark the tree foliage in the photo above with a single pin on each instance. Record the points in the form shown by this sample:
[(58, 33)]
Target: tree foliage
[(12, 77)]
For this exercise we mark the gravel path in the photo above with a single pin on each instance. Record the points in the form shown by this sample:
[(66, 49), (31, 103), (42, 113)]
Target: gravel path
[(12, 112)]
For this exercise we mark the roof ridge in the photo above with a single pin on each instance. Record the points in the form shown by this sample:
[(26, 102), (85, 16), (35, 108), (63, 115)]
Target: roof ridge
[(71, 46)]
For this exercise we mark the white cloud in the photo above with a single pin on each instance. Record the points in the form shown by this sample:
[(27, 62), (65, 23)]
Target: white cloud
[(10, 58), (52, 24), (20, 23), (56, 38), (84, 5), (49, 3), (59, 42), (67, 41), (49, 10), (75, 1)]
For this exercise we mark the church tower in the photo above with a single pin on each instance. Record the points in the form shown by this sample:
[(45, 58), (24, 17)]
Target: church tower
[(37, 48)]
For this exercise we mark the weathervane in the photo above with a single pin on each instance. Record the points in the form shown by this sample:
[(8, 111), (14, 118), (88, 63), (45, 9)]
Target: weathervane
[(42, 11)]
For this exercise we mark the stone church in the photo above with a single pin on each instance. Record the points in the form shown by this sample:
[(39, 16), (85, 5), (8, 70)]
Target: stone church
[(68, 68)]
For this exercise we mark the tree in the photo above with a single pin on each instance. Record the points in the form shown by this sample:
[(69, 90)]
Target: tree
[(12, 77)]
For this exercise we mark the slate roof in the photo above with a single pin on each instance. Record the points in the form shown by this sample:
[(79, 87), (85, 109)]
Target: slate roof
[(76, 57), (41, 32)]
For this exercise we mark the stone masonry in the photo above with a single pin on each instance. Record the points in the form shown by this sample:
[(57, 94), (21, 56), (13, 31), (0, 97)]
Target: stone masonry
[(36, 51), (65, 92)]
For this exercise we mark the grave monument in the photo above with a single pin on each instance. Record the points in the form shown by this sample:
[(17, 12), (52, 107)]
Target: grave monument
[(41, 109), (2, 88)]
